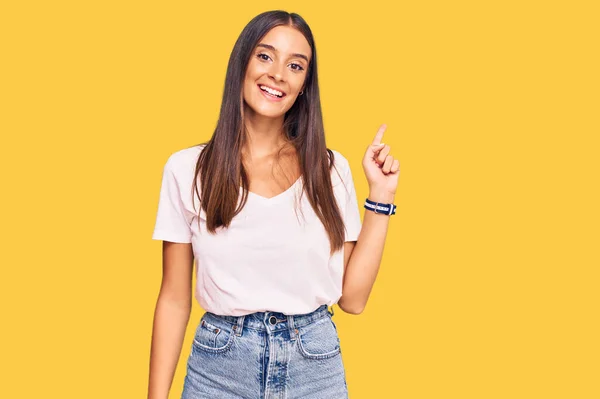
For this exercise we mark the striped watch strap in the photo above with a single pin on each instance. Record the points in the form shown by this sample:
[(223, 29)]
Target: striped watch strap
[(378, 207)]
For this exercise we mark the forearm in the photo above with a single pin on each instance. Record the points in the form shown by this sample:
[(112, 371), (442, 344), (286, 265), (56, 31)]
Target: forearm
[(168, 332), (363, 265)]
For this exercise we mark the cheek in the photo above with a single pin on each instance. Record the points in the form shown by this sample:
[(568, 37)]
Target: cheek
[(298, 83), (255, 70), (249, 83), (250, 75), (249, 78)]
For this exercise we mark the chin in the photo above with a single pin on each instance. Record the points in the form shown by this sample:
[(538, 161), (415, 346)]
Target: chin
[(273, 115), (266, 112)]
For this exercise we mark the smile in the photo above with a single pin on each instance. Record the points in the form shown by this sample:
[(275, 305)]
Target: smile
[(270, 93)]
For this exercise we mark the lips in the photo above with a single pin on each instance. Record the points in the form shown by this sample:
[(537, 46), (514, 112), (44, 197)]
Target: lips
[(271, 92)]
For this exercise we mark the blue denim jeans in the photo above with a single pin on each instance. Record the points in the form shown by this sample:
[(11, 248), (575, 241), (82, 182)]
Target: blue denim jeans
[(266, 355)]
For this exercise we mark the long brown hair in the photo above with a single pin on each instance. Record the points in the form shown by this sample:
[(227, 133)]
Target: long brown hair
[(220, 162)]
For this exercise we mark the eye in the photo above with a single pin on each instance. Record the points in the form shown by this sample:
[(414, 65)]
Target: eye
[(263, 56), (300, 68)]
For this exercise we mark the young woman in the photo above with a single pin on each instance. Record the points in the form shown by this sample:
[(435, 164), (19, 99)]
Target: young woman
[(272, 219)]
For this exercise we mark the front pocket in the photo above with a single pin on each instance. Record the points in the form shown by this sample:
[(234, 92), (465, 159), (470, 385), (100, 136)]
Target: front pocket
[(319, 340), (212, 338)]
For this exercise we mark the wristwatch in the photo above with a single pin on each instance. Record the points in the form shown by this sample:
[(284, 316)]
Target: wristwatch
[(378, 207)]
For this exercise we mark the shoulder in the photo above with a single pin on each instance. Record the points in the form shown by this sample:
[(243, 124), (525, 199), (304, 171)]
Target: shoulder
[(339, 158), (341, 179), (340, 172), (184, 160), (340, 162)]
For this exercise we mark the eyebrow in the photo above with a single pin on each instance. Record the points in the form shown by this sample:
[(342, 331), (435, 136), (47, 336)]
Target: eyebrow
[(274, 49)]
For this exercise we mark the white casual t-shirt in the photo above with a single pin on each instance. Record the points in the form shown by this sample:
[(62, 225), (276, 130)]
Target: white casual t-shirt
[(269, 258)]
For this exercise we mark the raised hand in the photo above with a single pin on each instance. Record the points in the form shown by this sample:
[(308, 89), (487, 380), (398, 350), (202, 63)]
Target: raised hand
[(381, 169)]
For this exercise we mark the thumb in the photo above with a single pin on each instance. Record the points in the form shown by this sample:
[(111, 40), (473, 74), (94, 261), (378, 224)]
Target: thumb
[(373, 150)]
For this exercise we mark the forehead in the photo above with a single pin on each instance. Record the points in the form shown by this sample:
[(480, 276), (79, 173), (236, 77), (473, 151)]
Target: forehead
[(287, 40)]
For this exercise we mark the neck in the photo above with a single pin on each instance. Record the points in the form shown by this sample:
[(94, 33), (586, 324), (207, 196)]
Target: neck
[(265, 135)]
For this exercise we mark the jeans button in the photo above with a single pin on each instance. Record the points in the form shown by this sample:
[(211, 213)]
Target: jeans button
[(273, 320)]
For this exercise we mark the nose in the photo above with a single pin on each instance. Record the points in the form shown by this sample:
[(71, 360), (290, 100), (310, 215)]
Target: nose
[(276, 71)]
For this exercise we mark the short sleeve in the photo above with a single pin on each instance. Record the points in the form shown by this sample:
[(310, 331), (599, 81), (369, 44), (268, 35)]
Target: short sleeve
[(351, 215), (171, 223)]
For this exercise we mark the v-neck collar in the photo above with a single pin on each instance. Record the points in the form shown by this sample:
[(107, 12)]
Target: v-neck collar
[(277, 197)]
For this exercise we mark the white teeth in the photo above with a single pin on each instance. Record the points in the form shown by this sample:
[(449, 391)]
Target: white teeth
[(272, 91)]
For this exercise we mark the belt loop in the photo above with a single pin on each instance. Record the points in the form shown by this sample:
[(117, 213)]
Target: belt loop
[(239, 326), (291, 326), (330, 311)]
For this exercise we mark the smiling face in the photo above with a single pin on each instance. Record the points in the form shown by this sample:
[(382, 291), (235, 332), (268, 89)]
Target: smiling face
[(276, 72)]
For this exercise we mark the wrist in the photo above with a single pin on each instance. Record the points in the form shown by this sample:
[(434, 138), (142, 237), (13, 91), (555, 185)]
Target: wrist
[(381, 196)]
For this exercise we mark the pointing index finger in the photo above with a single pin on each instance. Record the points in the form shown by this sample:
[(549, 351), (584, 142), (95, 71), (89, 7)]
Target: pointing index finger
[(379, 135)]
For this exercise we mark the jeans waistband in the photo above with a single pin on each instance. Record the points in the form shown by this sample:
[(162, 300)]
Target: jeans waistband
[(272, 321)]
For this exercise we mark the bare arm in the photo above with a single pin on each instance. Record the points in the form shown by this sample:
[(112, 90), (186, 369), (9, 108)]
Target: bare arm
[(171, 317), (362, 260)]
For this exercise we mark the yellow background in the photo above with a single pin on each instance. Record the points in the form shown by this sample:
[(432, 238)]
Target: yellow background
[(489, 282)]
